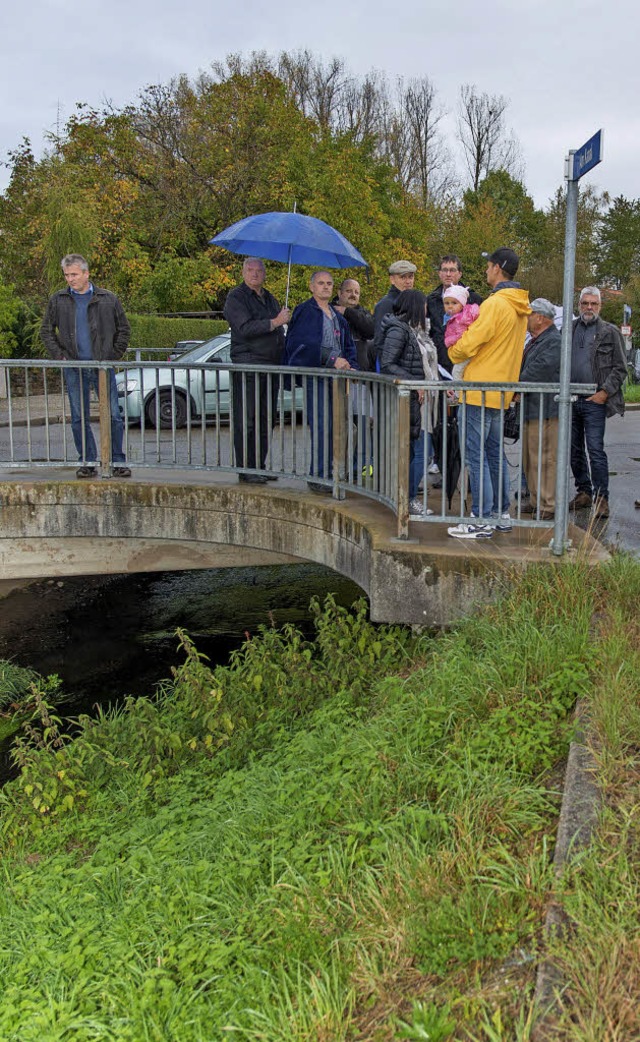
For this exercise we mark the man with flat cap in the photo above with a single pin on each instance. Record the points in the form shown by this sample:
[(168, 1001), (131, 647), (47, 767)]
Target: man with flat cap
[(540, 364), (493, 346), (402, 275)]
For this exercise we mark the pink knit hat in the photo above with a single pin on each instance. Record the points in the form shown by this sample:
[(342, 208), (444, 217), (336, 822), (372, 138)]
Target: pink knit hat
[(459, 293)]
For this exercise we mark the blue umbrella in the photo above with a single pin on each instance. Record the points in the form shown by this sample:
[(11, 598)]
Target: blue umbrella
[(290, 238)]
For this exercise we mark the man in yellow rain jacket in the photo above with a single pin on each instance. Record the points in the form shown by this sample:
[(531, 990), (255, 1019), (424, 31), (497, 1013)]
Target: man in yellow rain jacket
[(492, 346)]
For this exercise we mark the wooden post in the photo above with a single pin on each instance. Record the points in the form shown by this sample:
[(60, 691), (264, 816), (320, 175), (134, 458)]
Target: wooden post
[(339, 447), (404, 436), (104, 408)]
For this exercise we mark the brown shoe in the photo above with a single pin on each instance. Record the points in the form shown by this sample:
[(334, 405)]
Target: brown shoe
[(580, 501), (601, 508)]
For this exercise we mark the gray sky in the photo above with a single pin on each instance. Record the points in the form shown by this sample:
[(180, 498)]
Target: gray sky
[(568, 69)]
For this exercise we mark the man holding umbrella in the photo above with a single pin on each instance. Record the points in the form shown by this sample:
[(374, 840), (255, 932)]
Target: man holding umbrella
[(257, 338)]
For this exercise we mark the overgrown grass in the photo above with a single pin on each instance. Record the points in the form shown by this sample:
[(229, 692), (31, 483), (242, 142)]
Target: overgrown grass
[(631, 392), (341, 839)]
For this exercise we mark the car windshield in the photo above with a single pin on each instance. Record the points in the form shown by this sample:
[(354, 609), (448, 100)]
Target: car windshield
[(197, 354)]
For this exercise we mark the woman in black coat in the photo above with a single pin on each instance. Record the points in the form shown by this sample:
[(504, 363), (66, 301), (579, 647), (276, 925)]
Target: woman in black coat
[(401, 357)]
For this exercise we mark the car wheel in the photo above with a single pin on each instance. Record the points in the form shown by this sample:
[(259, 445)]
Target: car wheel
[(163, 403)]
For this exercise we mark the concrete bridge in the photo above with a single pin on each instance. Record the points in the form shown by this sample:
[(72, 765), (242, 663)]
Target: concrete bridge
[(55, 526)]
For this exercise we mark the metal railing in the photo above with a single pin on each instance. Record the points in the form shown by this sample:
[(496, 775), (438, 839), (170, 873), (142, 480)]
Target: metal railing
[(341, 432)]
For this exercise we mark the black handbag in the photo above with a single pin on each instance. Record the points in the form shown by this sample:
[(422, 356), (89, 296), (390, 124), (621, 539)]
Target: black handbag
[(511, 429)]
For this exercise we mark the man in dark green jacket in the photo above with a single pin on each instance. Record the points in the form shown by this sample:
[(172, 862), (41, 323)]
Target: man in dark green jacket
[(597, 357)]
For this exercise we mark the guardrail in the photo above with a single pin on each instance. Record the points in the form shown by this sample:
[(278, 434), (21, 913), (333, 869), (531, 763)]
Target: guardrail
[(340, 432)]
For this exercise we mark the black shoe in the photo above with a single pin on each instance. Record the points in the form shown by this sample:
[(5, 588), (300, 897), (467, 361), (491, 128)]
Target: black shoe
[(86, 472), (253, 479), (320, 490), (122, 472), (272, 477)]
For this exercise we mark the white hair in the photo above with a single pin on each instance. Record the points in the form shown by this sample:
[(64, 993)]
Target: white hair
[(592, 291)]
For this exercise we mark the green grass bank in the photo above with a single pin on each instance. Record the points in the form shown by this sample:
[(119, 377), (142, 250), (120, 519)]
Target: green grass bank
[(343, 839)]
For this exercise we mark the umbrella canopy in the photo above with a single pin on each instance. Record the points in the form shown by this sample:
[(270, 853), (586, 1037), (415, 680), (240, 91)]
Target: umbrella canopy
[(290, 238), (450, 469)]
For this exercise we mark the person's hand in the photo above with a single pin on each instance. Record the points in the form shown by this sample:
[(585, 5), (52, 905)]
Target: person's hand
[(420, 396), (515, 399), (599, 398), (283, 316), (452, 396), (341, 363)]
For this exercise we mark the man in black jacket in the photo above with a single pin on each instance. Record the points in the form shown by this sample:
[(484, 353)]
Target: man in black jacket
[(402, 275), (362, 326), (257, 338), (450, 274), (361, 322), (597, 356), (540, 364), (86, 323)]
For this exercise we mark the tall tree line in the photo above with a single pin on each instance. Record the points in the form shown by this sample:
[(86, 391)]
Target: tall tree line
[(142, 190)]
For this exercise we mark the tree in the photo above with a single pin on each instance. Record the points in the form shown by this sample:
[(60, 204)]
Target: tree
[(618, 247), (486, 143)]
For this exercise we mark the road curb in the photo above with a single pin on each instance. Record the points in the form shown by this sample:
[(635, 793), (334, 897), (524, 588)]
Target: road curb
[(578, 816)]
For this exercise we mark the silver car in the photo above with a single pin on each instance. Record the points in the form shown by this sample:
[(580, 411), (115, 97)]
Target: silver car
[(173, 395)]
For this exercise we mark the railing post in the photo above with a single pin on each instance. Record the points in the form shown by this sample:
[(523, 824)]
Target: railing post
[(403, 447), (339, 447), (104, 412)]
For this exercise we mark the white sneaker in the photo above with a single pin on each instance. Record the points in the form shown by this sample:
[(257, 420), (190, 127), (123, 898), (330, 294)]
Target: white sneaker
[(433, 468), (470, 531), (502, 523), (416, 506)]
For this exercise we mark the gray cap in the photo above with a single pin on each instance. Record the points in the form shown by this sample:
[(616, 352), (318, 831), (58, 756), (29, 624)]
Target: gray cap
[(402, 268), (542, 306)]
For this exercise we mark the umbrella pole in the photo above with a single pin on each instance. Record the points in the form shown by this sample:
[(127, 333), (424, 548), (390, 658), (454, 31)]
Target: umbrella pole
[(286, 301)]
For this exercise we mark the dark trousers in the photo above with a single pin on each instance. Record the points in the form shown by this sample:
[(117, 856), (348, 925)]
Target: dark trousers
[(589, 462), (254, 403)]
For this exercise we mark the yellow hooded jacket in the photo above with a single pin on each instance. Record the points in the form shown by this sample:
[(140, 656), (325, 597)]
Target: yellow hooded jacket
[(494, 344)]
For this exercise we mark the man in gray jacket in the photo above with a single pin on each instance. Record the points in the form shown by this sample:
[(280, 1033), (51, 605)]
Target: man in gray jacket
[(86, 323), (597, 356), (540, 364)]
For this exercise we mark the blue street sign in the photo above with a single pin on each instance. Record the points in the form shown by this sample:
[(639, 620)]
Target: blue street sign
[(587, 156)]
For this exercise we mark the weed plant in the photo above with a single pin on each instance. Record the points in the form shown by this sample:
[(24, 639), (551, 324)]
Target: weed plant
[(338, 839)]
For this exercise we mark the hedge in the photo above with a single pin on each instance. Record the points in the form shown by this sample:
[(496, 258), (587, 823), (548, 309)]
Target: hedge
[(148, 331)]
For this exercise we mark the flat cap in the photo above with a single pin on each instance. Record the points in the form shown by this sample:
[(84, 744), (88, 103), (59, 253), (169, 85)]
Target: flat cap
[(542, 306), (402, 267)]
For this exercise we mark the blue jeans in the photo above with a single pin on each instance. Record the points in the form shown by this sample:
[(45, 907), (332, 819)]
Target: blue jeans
[(320, 420), (485, 454), (416, 464), (588, 422), (79, 383)]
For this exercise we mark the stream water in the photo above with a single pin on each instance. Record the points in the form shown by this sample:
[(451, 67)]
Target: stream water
[(111, 636)]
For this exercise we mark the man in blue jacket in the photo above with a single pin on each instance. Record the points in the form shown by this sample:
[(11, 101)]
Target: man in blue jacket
[(319, 337)]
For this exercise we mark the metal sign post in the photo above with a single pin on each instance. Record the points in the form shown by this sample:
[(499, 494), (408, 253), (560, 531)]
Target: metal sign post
[(577, 163)]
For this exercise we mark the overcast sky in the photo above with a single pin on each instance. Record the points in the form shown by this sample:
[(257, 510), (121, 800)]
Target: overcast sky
[(568, 69)]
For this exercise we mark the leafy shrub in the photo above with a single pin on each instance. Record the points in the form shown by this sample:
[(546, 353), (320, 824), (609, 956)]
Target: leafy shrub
[(153, 331)]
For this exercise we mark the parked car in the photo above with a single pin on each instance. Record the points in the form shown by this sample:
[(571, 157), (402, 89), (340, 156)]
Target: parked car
[(162, 393), (180, 347)]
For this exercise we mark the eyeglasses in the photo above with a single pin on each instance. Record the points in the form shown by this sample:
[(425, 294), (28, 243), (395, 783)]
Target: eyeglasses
[(591, 304), (449, 271)]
